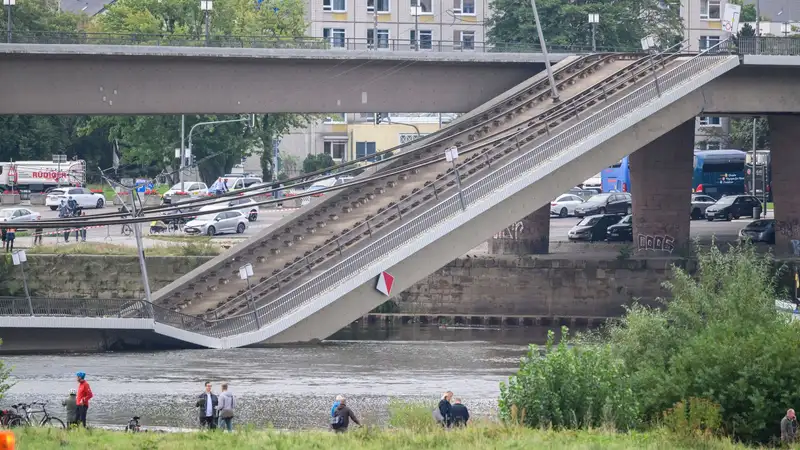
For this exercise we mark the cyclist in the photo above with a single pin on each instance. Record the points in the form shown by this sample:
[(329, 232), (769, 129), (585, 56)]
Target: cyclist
[(83, 396), (71, 405)]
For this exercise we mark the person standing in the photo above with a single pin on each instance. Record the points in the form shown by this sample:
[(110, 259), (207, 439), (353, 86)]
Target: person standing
[(445, 409), (788, 433), (460, 413), (84, 394), (63, 213), (207, 403), (71, 405), (38, 236), (227, 403), (342, 417), (11, 234)]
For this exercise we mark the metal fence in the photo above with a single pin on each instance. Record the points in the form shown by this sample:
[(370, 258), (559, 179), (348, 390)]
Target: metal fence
[(343, 44), (74, 307), (769, 45)]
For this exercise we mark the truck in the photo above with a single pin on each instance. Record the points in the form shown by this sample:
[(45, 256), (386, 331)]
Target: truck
[(39, 176)]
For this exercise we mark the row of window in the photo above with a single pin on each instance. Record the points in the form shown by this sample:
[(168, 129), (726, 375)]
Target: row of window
[(708, 121), (338, 149), (337, 37), (707, 42), (710, 9), (465, 7)]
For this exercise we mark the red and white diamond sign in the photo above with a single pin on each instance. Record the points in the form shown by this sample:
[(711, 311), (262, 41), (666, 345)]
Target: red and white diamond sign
[(385, 283)]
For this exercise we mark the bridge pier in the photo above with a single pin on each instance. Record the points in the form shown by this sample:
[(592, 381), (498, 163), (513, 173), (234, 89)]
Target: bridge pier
[(661, 176), (784, 136), (529, 236)]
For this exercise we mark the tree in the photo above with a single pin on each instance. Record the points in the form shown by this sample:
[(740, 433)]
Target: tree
[(741, 134), (748, 10), (269, 128), (314, 163), (623, 23)]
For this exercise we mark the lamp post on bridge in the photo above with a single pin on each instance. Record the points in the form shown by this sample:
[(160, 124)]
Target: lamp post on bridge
[(19, 258), (594, 19), (9, 4), (543, 44), (245, 272), (206, 6)]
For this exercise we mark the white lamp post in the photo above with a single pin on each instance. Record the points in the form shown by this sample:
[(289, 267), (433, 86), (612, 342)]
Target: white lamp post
[(543, 44), (245, 272), (19, 258), (594, 19), (206, 6), (9, 4)]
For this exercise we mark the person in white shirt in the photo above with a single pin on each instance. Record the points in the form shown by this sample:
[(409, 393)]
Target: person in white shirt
[(207, 404)]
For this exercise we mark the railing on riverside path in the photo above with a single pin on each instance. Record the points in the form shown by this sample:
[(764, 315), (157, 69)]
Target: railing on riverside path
[(769, 45), (74, 307)]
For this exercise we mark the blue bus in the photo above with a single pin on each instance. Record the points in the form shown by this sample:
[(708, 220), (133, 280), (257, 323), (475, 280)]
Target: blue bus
[(719, 172), (716, 173)]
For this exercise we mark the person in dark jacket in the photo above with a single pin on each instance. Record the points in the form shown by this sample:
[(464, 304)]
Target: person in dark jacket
[(71, 406), (207, 404), (460, 413), (788, 434), (445, 409), (342, 417)]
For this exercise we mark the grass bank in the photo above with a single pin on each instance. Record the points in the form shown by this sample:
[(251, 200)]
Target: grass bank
[(199, 248), (482, 437)]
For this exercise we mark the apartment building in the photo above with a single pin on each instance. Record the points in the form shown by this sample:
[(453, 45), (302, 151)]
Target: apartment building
[(400, 25)]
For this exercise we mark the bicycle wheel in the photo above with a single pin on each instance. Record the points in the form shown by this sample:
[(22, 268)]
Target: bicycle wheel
[(15, 422), (53, 422)]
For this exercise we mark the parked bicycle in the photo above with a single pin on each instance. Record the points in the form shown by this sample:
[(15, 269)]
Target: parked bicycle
[(133, 425), (28, 415)]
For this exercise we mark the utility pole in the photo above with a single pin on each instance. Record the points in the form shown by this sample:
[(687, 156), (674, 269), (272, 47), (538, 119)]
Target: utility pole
[(758, 19), (9, 4), (594, 19), (544, 52), (375, 25), (183, 150), (137, 230), (416, 26)]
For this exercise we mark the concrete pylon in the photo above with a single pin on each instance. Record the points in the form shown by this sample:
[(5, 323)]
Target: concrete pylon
[(661, 187), (529, 236), (784, 138)]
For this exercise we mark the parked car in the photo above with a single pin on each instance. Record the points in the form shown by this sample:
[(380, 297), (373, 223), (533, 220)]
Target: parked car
[(762, 230), (594, 183), (248, 207), (327, 183), (564, 205), (217, 223), (700, 202), (18, 215), (732, 207), (193, 188), (607, 203), (621, 231), (592, 228), (84, 197)]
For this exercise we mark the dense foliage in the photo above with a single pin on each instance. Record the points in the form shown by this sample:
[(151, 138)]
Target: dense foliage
[(623, 23), (313, 163)]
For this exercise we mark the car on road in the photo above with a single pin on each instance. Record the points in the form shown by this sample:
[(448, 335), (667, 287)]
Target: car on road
[(84, 197), (621, 231), (700, 202), (247, 206), (193, 188), (594, 183), (762, 230), (564, 205), (18, 215), (592, 228), (732, 207), (327, 183), (607, 203), (212, 224)]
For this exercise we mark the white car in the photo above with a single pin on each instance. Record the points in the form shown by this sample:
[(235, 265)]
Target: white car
[(564, 205), (248, 207), (18, 215), (594, 183), (84, 197), (212, 224), (193, 188)]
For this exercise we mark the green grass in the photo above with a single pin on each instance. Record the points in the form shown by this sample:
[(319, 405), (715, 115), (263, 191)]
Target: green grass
[(92, 248), (179, 238), (109, 193), (477, 438)]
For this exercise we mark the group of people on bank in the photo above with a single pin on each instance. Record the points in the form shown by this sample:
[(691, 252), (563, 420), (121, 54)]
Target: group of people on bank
[(77, 403)]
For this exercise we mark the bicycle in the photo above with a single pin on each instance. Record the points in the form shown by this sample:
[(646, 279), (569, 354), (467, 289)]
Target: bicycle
[(30, 416), (127, 230), (133, 425)]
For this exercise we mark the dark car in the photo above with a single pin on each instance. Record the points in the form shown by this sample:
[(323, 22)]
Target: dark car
[(732, 207), (621, 231), (608, 203), (592, 228), (759, 231)]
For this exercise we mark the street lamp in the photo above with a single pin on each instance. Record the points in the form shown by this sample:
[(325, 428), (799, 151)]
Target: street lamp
[(650, 44), (245, 272), (594, 19), (9, 4), (206, 6), (544, 52), (19, 258)]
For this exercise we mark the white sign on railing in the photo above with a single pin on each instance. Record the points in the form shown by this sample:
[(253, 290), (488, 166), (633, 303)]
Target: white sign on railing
[(451, 154), (730, 17)]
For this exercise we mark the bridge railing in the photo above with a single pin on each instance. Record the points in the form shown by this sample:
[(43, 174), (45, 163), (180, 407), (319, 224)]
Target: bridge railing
[(317, 43), (769, 45), (74, 307)]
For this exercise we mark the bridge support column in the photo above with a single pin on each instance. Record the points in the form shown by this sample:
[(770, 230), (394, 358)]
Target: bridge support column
[(529, 236), (661, 181), (784, 136)]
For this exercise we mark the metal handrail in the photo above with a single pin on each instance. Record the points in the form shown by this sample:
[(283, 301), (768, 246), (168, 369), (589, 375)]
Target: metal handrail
[(301, 42), (769, 45)]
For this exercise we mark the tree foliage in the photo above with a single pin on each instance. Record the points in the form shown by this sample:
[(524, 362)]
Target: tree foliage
[(313, 163), (741, 134), (623, 23)]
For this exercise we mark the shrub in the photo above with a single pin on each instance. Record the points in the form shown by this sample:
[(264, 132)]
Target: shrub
[(416, 416), (569, 387), (700, 417)]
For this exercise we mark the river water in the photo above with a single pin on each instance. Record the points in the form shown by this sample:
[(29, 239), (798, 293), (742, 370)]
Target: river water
[(289, 387)]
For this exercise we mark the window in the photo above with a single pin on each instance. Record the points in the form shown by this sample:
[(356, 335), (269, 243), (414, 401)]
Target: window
[(364, 149), (707, 42), (425, 39), (713, 145), (336, 118), (424, 6), (336, 149), (465, 6), (710, 9), (336, 36), (383, 6), (464, 40), (383, 38), (708, 121), (334, 5)]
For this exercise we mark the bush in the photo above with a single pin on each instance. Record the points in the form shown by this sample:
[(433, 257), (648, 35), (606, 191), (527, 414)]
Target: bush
[(416, 416), (569, 387), (719, 338), (700, 417)]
